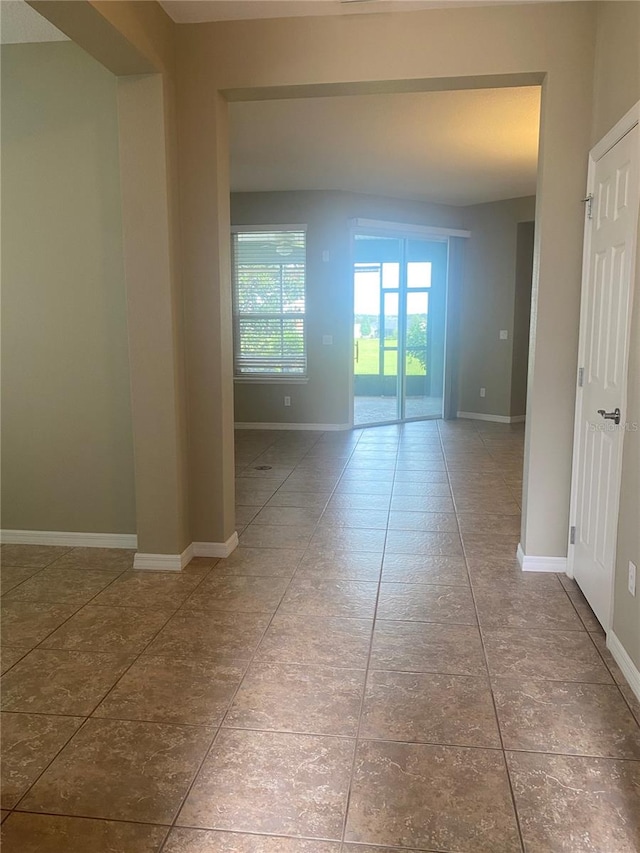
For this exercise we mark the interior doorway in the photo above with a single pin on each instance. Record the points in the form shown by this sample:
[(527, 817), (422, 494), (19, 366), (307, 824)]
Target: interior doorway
[(399, 329)]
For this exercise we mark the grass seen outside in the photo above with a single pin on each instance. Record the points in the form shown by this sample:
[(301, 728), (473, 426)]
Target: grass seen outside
[(368, 363)]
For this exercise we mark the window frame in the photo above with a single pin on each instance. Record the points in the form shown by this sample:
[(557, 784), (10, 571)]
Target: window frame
[(268, 378)]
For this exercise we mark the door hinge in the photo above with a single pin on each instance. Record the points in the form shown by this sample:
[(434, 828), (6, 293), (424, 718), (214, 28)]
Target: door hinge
[(589, 202), (580, 377), (572, 535)]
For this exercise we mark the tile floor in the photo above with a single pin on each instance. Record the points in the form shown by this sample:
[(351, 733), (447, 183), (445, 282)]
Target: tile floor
[(369, 671)]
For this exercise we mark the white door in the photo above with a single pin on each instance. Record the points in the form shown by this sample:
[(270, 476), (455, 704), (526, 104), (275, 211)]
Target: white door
[(607, 285)]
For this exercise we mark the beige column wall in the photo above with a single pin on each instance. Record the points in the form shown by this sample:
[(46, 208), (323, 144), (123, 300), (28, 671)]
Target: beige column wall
[(443, 48)]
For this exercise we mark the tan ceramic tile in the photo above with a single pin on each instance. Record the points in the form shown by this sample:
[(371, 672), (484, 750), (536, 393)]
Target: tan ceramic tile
[(11, 655), (330, 597), (4, 814), (96, 627), (27, 623), (61, 682), (431, 797), (371, 518), (68, 586), (260, 562), (357, 487), (244, 594), (429, 544), (414, 568), (252, 492), (427, 647), (489, 524), (169, 690), (245, 515), (36, 833), (333, 563), (347, 538), (375, 503), (208, 636), (150, 590), (501, 504), (122, 771), (500, 569), (564, 717), (235, 788), (429, 522), (29, 743), (545, 655), (416, 503), (110, 559), (210, 841), (199, 566), (426, 603), (11, 576), (519, 605), (300, 517), (576, 804), (632, 701), (586, 614), (294, 698), (600, 643), (302, 500), (421, 489), (429, 708), (328, 641), (275, 536), (490, 544), (33, 556)]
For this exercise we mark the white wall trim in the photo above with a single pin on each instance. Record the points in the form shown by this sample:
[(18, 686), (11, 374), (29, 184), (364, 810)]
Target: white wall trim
[(314, 427), (498, 419), (163, 562), (621, 657), (215, 549), (73, 540), (628, 121), (541, 564)]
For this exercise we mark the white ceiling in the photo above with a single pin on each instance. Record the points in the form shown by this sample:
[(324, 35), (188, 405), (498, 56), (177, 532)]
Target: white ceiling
[(198, 11), (19, 24), (460, 147)]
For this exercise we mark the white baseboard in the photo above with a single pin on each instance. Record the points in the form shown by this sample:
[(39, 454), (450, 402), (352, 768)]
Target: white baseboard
[(177, 562), (163, 562), (541, 564), (216, 549), (621, 657), (314, 427), (73, 540), (498, 419)]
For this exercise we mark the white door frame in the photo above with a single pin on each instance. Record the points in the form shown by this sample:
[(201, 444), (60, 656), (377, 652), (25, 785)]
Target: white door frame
[(626, 124)]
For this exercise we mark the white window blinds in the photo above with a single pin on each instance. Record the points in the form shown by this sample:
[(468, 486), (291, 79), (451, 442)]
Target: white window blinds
[(269, 302)]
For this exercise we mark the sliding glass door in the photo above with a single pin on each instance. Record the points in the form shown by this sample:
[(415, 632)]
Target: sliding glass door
[(399, 288)]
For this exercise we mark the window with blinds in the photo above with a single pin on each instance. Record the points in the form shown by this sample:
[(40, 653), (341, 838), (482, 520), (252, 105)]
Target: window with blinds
[(269, 302)]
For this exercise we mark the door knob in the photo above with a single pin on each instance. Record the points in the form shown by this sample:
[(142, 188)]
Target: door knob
[(610, 416)]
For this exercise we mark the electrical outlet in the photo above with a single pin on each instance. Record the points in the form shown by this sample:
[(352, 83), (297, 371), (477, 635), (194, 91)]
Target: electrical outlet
[(327, 340), (483, 392), (504, 334), (632, 577), (287, 401), (326, 256)]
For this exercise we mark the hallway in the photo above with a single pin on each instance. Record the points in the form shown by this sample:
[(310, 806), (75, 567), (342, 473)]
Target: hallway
[(369, 670)]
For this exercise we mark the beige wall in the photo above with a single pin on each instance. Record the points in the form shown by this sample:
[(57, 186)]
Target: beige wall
[(522, 317), (67, 455), (488, 304), (616, 90), (488, 298)]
